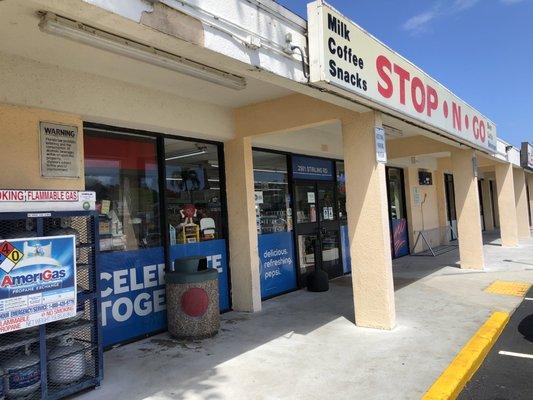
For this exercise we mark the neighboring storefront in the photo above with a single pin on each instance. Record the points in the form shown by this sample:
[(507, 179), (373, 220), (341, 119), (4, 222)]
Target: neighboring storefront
[(301, 219), (158, 198), (397, 212)]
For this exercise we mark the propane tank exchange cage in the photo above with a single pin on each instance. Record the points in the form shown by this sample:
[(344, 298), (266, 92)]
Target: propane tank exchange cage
[(57, 359)]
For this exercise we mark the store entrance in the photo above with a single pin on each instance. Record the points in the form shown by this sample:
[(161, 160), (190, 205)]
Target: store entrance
[(450, 205), (399, 235), (317, 229)]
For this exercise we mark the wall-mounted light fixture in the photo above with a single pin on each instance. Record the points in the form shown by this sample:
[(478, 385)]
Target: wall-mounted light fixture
[(66, 28)]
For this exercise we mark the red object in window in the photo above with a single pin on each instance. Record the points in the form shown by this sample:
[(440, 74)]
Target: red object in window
[(130, 153), (194, 302)]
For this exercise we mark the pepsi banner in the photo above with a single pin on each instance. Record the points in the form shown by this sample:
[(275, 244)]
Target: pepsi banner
[(37, 281), (346, 257), (276, 262)]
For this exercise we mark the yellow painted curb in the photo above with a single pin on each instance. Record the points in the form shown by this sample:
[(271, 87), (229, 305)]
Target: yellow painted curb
[(465, 364)]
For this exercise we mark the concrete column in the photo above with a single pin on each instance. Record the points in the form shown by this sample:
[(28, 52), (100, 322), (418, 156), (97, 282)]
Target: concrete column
[(487, 205), (368, 224), (244, 257), (506, 204), (522, 216), (468, 213)]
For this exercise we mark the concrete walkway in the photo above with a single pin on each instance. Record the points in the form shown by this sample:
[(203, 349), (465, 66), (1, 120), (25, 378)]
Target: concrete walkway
[(305, 345)]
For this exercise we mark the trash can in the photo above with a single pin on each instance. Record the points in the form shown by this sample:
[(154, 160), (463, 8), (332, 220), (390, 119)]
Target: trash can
[(192, 299)]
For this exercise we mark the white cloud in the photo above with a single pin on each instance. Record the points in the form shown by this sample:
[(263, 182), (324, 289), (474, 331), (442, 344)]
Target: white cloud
[(460, 5), (420, 22)]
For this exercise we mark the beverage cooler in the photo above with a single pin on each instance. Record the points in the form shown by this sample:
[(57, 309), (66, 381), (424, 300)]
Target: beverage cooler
[(50, 325)]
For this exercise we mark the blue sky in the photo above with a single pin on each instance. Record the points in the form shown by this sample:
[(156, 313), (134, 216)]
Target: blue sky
[(482, 50)]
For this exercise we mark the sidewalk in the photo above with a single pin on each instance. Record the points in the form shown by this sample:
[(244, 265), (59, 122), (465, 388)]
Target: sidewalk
[(305, 346)]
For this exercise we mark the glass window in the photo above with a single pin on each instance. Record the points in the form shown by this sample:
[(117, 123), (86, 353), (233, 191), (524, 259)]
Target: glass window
[(194, 210), (395, 181), (272, 200), (341, 190), (305, 202), (122, 170)]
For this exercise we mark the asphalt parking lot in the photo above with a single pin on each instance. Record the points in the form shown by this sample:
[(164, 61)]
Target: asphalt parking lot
[(507, 372)]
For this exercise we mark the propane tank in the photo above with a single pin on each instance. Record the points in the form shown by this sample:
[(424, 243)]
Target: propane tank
[(23, 374), (2, 392), (66, 229), (67, 361), (23, 229), (80, 312)]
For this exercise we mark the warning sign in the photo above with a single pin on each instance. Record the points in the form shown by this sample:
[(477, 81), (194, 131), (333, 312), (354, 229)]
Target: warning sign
[(59, 151), (9, 256)]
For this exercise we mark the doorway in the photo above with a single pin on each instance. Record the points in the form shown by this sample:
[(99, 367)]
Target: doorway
[(493, 204), (481, 211), (450, 205), (317, 229), (399, 236)]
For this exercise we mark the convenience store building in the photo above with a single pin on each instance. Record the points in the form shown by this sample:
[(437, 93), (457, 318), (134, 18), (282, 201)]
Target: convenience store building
[(216, 130)]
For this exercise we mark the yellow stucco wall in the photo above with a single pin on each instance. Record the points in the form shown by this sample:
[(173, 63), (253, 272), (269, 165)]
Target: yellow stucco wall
[(20, 161), (422, 216)]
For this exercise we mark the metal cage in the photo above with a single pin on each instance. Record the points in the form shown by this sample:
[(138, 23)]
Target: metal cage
[(33, 364)]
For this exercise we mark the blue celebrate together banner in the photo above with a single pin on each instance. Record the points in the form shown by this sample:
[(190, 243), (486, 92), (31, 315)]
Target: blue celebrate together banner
[(37, 281), (133, 287)]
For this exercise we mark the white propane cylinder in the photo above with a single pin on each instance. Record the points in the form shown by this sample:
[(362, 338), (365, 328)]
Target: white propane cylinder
[(67, 361), (22, 374)]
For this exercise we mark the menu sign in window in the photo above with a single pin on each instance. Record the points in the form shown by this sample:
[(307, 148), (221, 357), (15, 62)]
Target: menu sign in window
[(59, 151)]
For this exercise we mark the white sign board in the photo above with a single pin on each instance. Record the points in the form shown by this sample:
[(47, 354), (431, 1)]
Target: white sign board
[(347, 59), (37, 281), (59, 151), (381, 147), (526, 155), (15, 200), (259, 197), (417, 198)]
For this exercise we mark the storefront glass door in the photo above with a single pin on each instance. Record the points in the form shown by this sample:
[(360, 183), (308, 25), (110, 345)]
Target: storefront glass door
[(397, 212), (317, 228), (450, 205)]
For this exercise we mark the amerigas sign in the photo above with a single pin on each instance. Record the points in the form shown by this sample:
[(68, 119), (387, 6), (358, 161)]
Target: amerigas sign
[(345, 58)]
